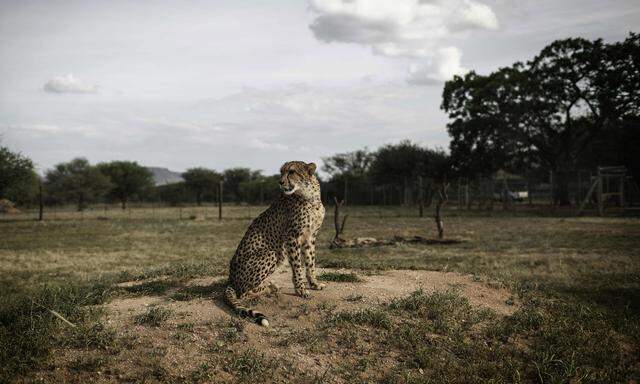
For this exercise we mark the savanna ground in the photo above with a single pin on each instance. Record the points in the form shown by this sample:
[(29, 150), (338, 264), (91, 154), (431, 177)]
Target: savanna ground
[(521, 298)]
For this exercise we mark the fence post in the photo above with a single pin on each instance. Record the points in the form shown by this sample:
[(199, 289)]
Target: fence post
[(421, 196), (41, 204), (579, 199), (551, 188), (505, 193), (467, 202), (600, 193), (220, 200), (622, 191), (384, 194), (529, 190), (404, 192), (370, 194), (492, 187), (459, 192)]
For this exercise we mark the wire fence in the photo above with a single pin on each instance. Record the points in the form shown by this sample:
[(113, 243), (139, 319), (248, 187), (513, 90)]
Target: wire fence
[(581, 192), (504, 191)]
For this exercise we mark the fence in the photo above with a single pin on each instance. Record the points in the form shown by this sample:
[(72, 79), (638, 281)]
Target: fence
[(411, 197), (136, 211), (567, 191)]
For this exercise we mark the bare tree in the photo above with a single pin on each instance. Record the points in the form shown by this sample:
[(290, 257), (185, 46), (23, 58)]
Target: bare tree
[(442, 200), (337, 240)]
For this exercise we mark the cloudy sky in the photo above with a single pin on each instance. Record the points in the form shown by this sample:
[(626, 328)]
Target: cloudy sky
[(257, 82)]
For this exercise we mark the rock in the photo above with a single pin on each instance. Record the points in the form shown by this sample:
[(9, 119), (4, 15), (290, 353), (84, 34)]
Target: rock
[(6, 206)]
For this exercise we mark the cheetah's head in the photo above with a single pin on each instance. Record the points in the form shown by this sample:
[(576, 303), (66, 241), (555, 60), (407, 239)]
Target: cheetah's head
[(300, 178)]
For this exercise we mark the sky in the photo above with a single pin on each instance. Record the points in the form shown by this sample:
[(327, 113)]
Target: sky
[(255, 83)]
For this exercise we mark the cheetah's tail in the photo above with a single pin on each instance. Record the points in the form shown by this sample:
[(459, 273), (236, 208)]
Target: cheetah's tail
[(234, 303)]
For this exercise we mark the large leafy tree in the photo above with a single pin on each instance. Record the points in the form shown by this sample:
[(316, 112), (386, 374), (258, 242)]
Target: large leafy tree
[(173, 193), (76, 181), (354, 164), (484, 111), (349, 175), (201, 181), (128, 179), (436, 166), (16, 172), (544, 113), (260, 189), (234, 177), (401, 164), (397, 163)]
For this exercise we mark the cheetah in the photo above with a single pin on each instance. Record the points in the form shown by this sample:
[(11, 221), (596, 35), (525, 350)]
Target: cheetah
[(287, 229)]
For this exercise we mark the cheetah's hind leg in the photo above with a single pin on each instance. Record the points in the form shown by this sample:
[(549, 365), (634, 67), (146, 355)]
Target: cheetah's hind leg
[(273, 288), (235, 303), (264, 287)]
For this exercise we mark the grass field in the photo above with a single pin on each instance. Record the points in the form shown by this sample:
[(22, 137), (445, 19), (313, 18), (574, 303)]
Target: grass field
[(575, 284)]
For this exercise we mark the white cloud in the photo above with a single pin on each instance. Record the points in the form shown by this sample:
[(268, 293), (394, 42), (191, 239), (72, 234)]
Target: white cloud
[(443, 66), (415, 29), (298, 121), (68, 84), (257, 143)]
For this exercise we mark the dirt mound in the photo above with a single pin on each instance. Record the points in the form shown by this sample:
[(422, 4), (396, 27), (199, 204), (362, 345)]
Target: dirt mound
[(289, 314), (370, 290), (177, 331)]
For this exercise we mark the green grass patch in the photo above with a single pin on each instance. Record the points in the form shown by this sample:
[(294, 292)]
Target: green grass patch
[(153, 317), (252, 366), (340, 277), (151, 288), (87, 363), (230, 330), (375, 317), (446, 312), (199, 291), (28, 329)]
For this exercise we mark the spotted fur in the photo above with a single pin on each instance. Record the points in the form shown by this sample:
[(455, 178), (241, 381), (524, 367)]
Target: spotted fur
[(286, 230)]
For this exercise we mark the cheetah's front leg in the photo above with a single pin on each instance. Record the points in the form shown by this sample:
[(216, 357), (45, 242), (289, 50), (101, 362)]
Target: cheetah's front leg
[(294, 255), (310, 260)]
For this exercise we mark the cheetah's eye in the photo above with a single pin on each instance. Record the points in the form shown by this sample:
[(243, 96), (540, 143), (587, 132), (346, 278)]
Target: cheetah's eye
[(291, 171)]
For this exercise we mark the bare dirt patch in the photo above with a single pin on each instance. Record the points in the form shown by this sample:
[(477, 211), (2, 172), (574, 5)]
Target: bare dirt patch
[(282, 308), (200, 339)]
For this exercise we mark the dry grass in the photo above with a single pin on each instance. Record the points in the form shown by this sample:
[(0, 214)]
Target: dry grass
[(577, 280)]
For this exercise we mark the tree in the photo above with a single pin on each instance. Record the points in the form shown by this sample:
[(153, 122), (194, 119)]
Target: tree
[(25, 192), (402, 163), (200, 181), (349, 175), (16, 171), (481, 109), (76, 181), (260, 189), (544, 113), (234, 177), (173, 193), (354, 164), (436, 165), (397, 163), (128, 179)]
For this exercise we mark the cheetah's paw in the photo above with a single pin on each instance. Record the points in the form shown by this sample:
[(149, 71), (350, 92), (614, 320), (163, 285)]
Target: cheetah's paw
[(317, 286)]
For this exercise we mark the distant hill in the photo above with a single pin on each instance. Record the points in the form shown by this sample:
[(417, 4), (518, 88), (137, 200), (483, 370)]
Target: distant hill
[(163, 176)]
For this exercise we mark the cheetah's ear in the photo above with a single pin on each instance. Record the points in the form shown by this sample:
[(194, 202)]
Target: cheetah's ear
[(311, 168)]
